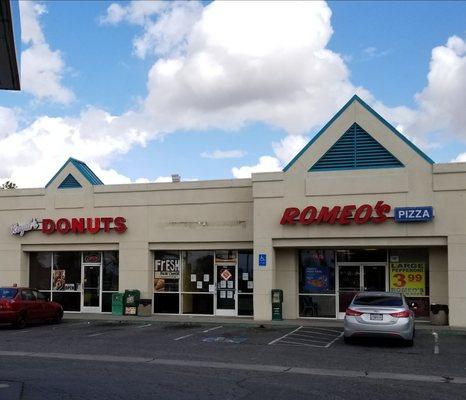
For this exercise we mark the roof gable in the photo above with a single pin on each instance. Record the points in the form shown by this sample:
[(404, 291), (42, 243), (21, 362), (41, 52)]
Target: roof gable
[(69, 182), (373, 113), (356, 149), (82, 169)]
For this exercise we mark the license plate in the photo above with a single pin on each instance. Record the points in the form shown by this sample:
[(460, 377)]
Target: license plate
[(376, 317)]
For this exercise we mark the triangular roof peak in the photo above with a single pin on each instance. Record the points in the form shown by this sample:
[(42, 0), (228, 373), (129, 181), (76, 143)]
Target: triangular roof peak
[(82, 168), (382, 120)]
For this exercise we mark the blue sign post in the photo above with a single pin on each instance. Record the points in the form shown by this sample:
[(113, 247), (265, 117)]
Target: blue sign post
[(262, 260), (414, 214)]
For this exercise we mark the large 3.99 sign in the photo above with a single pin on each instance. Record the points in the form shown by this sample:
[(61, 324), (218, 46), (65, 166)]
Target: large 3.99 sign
[(408, 278)]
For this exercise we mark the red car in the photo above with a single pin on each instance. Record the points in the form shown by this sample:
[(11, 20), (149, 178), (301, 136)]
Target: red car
[(19, 306)]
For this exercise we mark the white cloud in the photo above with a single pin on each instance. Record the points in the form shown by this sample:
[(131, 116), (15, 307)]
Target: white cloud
[(42, 69), (161, 179), (275, 69), (8, 121), (220, 154), (166, 24), (460, 158), (265, 164), (289, 147)]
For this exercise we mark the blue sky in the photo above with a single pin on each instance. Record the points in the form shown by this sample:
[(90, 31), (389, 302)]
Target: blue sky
[(165, 123)]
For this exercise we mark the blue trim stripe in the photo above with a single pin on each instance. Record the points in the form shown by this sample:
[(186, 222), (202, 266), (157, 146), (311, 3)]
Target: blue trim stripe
[(70, 182), (82, 168), (373, 112), (356, 149)]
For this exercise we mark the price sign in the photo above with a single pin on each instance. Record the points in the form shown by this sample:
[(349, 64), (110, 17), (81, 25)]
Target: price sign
[(408, 278)]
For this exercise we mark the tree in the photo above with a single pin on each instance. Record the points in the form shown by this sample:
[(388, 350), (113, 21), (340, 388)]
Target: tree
[(8, 185)]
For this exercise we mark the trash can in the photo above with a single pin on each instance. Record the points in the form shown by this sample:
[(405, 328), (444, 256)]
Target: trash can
[(145, 308), (117, 303), (439, 314), (131, 300), (277, 300)]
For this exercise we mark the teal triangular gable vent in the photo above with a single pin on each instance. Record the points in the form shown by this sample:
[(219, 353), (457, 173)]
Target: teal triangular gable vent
[(356, 149), (69, 182)]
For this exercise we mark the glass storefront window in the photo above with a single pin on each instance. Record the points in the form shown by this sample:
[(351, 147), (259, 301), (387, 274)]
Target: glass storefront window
[(245, 272), (66, 274), (362, 255), (409, 274), (198, 303), (167, 270), (110, 272), (40, 266), (317, 306), (198, 272), (317, 271)]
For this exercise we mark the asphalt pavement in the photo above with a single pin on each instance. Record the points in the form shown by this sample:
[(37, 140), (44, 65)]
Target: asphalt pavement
[(112, 359)]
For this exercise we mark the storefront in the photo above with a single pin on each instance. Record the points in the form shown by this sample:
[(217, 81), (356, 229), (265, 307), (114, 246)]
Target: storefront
[(359, 208)]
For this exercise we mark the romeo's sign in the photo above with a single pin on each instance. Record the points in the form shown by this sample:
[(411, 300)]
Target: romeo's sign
[(343, 215), (71, 225)]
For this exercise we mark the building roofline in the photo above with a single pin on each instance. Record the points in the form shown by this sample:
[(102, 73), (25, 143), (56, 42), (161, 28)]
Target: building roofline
[(83, 168), (375, 114)]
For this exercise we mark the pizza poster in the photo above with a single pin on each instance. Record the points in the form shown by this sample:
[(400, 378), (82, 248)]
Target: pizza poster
[(408, 278)]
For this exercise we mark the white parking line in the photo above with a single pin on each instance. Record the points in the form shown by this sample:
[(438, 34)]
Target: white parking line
[(96, 334), (334, 340), (321, 329), (143, 326), (183, 337), (213, 329), (284, 336), (316, 333), (302, 344)]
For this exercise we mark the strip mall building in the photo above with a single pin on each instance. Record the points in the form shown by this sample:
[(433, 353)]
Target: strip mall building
[(359, 208)]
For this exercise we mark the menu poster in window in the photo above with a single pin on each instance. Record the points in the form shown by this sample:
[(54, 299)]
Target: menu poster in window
[(316, 279), (199, 285), (58, 279), (408, 278)]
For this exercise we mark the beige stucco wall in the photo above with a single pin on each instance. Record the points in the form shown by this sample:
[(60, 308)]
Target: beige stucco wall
[(186, 215)]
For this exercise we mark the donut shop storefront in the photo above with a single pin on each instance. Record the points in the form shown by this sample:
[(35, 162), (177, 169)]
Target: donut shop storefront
[(359, 208)]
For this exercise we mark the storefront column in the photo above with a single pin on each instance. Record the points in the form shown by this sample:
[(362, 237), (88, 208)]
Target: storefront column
[(135, 268), (11, 257), (264, 280), (457, 280)]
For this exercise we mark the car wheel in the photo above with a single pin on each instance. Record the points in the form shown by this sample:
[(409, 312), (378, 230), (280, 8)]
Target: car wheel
[(409, 342), (58, 317), (21, 321)]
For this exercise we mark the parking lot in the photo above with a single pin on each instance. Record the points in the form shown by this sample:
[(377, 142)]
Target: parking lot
[(231, 349)]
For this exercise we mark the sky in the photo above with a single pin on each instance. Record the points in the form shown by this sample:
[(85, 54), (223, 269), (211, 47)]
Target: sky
[(219, 90)]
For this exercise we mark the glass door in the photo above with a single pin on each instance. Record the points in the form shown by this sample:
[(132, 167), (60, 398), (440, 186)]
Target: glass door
[(91, 288), (349, 283), (226, 290), (354, 278)]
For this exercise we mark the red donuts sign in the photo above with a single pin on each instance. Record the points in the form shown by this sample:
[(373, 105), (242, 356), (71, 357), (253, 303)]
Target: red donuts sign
[(84, 225), (342, 215)]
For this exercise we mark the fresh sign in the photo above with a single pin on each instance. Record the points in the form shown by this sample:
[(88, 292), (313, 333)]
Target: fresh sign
[(413, 214), (167, 269)]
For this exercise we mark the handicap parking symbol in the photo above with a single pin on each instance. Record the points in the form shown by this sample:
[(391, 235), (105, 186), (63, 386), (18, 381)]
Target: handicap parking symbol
[(262, 260)]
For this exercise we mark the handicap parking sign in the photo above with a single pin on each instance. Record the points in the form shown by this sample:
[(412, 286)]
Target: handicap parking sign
[(262, 260)]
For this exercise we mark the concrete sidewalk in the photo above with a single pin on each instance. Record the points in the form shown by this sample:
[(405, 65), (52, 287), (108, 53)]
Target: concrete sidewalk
[(197, 319)]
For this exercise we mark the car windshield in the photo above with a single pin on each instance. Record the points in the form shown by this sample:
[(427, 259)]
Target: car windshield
[(380, 301), (7, 293)]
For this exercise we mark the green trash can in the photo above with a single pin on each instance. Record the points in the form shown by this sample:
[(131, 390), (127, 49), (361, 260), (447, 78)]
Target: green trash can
[(117, 303), (131, 301)]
